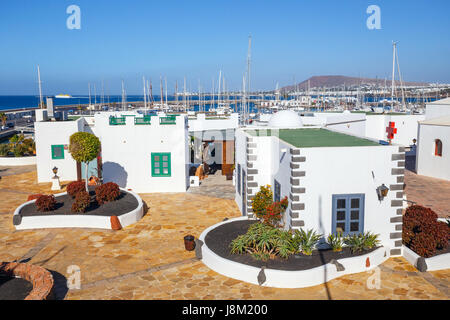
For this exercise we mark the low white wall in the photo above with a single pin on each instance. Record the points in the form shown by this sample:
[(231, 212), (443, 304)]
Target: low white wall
[(439, 262), (78, 221), (201, 123), (407, 126), (288, 279), (17, 161)]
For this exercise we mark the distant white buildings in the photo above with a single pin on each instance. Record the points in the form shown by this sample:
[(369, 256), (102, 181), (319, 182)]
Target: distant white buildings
[(433, 147), (332, 180)]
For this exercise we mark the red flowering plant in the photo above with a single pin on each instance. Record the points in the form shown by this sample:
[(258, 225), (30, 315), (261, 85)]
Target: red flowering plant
[(274, 212)]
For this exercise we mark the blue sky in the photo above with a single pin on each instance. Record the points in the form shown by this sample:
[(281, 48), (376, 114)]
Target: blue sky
[(128, 39)]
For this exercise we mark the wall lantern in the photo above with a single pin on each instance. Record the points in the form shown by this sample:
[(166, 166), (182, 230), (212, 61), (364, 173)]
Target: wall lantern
[(55, 171), (382, 192)]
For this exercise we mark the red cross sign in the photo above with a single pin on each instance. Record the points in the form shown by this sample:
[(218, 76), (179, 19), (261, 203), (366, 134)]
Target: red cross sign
[(391, 130)]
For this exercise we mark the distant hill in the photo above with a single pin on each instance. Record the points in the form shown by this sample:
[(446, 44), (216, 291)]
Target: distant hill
[(336, 81)]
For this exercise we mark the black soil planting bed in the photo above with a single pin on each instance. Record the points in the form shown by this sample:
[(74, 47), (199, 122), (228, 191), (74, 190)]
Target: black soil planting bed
[(124, 204), (219, 239), (442, 251), (12, 288)]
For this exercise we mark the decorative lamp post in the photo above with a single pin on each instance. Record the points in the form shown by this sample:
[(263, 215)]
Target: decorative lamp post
[(55, 180), (55, 171)]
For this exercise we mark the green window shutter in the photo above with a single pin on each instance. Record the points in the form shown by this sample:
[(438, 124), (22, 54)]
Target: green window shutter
[(161, 165), (57, 152)]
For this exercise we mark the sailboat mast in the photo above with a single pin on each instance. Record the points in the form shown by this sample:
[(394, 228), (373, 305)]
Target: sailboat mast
[(394, 47), (145, 94), (165, 84), (89, 84), (218, 89), (176, 92), (401, 80), (41, 102), (249, 58)]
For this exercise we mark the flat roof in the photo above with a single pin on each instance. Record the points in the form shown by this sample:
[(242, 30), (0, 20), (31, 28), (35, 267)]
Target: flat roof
[(445, 101), (442, 121), (314, 138)]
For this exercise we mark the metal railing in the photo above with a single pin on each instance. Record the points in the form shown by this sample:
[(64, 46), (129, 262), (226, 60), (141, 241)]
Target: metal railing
[(146, 120)]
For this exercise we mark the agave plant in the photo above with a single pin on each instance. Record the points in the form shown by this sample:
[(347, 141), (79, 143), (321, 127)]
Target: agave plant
[(336, 241), (370, 240), (355, 242), (308, 240), (264, 242), (362, 241)]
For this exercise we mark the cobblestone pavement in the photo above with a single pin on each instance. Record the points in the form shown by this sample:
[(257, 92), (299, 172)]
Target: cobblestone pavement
[(148, 261), (429, 192)]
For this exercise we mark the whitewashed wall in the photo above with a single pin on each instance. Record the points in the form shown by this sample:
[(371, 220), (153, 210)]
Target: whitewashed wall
[(427, 163), (435, 110), (348, 170), (353, 123), (203, 124), (126, 153), (407, 126), (17, 161), (241, 159)]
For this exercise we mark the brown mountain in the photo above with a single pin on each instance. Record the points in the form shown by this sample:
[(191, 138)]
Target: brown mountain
[(336, 81)]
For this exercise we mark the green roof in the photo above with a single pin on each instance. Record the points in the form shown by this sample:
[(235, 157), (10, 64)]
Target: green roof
[(314, 138)]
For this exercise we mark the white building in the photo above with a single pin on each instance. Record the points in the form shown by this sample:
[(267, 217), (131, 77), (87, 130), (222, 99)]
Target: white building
[(330, 178), (433, 147), (145, 154)]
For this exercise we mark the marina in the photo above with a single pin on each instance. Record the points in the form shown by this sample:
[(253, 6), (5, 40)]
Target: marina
[(284, 150)]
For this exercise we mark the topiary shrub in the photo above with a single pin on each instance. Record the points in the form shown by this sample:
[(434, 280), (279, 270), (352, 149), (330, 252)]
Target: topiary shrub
[(75, 187), (263, 198), (82, 202), (84, 147), (46, 203), (422, 232), (107, 192)]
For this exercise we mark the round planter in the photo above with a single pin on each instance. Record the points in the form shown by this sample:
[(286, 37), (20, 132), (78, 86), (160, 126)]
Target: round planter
[(77, 220), (282, 278)]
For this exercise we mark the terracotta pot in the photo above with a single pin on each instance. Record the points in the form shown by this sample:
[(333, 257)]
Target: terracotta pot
[(189, 243)]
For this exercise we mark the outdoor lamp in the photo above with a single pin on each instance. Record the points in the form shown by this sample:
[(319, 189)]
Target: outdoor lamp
[(382, 192), (55, 171)]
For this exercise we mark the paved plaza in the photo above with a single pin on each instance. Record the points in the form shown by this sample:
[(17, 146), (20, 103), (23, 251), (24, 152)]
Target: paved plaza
[(147, 260), (428, 192)]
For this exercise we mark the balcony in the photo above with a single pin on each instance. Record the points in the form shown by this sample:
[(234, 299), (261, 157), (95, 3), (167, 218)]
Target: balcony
[(117, 121)]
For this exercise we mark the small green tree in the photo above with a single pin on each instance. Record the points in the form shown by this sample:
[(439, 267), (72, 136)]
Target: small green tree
[(84, 147)]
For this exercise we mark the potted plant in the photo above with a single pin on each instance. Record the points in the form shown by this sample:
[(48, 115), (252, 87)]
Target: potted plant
[(189, 243)]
